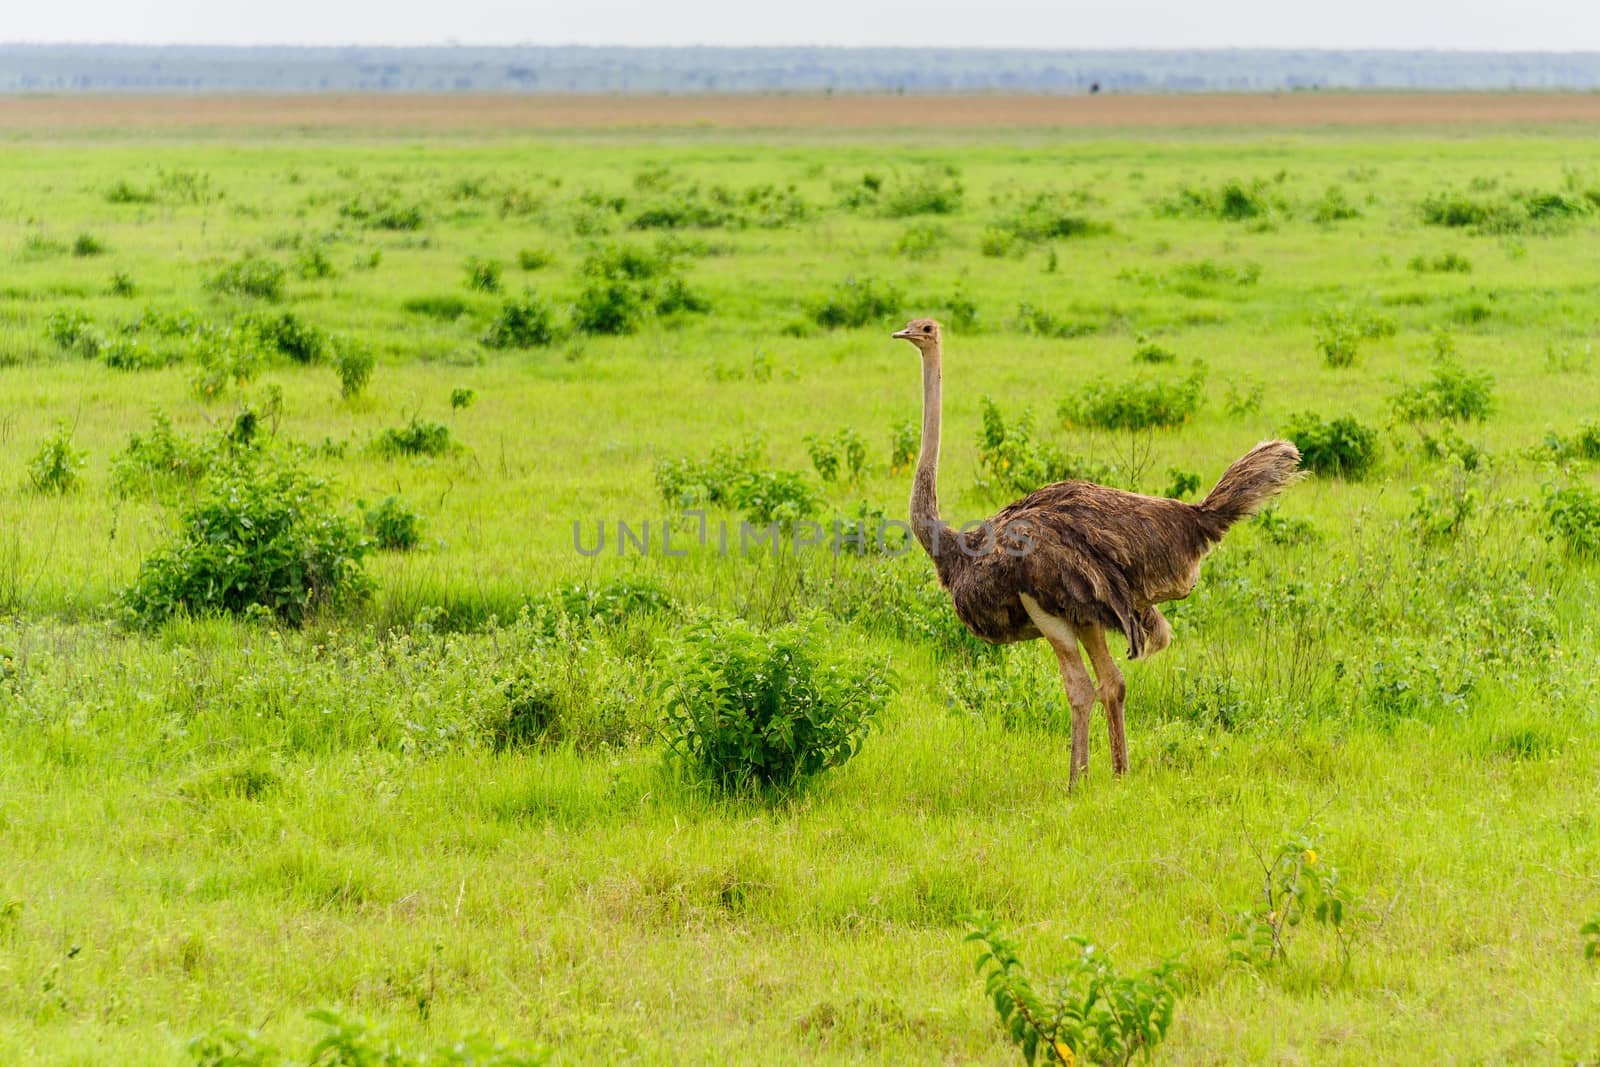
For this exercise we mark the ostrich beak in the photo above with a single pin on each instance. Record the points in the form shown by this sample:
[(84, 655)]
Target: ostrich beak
[(904, 335)]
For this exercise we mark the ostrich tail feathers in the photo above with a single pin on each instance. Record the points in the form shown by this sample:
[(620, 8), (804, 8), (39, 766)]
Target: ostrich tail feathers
[(1254, 478)]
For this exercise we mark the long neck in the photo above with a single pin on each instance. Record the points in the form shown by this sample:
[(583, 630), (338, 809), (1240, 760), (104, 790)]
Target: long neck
[(925, 519)]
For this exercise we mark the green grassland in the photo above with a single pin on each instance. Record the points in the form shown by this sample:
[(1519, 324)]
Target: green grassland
[(229, 822)]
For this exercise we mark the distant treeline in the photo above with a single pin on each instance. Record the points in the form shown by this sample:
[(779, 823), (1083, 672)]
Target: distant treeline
[(109, 68)]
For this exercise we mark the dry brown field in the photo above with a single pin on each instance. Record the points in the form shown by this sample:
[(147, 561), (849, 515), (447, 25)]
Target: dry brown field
[(454, 113)]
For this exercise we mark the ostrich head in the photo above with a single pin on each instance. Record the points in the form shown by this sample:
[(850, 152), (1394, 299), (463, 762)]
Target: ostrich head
[(924, 333)]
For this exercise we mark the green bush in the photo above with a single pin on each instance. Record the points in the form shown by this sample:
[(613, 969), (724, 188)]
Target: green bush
[(1042, 323), (1231, 202), (1572, 514), (251, 276), (1013, 460), (1093, 1014), (934, 191), (125, 193), (383, 212), (393, 526), (159, 459), (1149, 351), (1443, 263), (753, 709), (87, 244), (1342, 448), (608, 306), (355, 362), (54, 469), (1044, 217), (74, 331), (1138, 404), (122, 284), (462, 397), (288, 336), (483, 275), (857, 302), (1341, 329), (1452, 393), (534, 258), (1334, 207), (311, 264), (522, 323), (419, 437), (258, 538)]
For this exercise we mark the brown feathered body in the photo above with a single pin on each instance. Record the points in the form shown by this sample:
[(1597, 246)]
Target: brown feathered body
[(1096, 556)]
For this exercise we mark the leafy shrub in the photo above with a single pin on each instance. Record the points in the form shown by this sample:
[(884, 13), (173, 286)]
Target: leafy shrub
[(685, 483), (1149, 351), (923, 240), (732, 477), (1137, 404), (934, 191), (855, 303), (1192, 279), (534, 258), (54, 469), (1342, 448), (483, 275), (1572, 514), (1446, 445), (747, 708), (313, 263), (355, 362), (74, 331), (87, 244), (776, 497), (448, 308), (419, 437), (462, 397), (122, 284), (288, 336), (252, 276), (1341, 329), (1232, 202), (1045, 217), (1042, 323), (1452, 393), (674, 296), (624, 284), (124, 193), (383, 212), (1012, 459), (1334, 207), (159, 458), (393, 526), (1011, 689), (903, 445), (825, 454), (1094, 1015), (608, 306), (524, 323), (1507, 213), (1441, 512), (1243, 398), (257, 538), (614, 601), (1299, 885), (1590, 932), (353, 1042), (1443, 263)]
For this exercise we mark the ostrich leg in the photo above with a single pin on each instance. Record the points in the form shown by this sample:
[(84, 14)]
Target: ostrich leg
[(1111, 689), (1074, 679)]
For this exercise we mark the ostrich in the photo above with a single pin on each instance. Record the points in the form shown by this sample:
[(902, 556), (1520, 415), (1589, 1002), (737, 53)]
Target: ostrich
[(1072, 560)]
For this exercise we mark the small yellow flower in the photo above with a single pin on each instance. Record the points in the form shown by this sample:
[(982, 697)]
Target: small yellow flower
[(1065, 1054), (1309, 857)]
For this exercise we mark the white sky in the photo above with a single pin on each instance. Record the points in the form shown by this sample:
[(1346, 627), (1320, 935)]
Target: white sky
[(1562, 25)]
